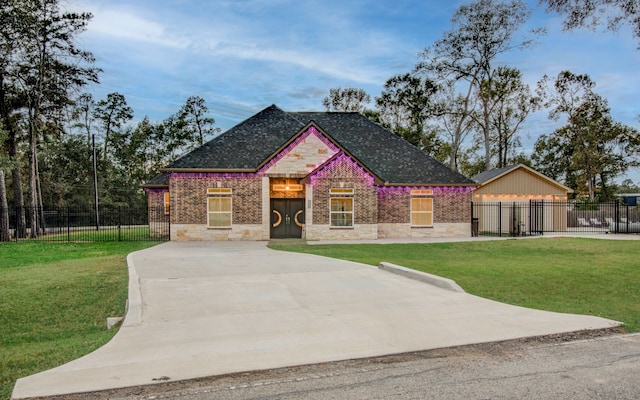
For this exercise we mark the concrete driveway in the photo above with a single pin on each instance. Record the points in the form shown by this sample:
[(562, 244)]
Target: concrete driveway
[(201, 309)]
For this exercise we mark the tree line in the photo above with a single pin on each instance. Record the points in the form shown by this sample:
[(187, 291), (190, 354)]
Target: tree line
[(463, 106), (458, 104), (51, 133)]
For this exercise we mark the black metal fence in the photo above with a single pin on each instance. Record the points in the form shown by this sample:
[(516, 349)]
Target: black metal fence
[(537, 217), (85, 225)]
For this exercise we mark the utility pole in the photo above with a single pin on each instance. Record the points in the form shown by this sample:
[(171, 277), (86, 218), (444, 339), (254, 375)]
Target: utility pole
[(95, 180)]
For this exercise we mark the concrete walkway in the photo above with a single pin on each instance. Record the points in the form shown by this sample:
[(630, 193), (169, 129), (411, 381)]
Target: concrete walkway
[(202, 309)]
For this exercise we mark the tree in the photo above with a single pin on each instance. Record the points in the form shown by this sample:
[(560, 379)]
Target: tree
[(510, 102), (45, 67), (194, 113), (84, 114), (346, 100), (405, 105), (455, 122), (591, 13), (465, 56), (112, 112), (592, 148)]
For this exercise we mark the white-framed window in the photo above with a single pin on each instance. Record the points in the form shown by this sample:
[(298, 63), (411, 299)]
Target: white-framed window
[(219, 207), (167, 203), (341, 206), (422, 208)]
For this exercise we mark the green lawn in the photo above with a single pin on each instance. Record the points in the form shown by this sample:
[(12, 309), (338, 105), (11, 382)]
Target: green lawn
[(54, 302), (582, 276)]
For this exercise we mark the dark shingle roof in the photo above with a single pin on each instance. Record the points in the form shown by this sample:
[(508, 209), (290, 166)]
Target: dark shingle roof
[(245, 145), (489, 175), (158, 181), (255, 140)]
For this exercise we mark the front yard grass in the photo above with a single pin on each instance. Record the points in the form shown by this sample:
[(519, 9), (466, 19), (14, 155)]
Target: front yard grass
[(569, 275), (54, 302)]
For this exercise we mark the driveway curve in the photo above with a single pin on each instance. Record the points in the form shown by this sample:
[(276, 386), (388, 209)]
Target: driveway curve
[(208, 308)]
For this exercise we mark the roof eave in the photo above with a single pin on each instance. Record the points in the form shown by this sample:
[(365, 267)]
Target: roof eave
[(432, 184), (145, 186), (209, 170)]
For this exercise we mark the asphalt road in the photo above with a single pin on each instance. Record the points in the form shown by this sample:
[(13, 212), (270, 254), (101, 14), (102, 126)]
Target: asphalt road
[(600, 368)]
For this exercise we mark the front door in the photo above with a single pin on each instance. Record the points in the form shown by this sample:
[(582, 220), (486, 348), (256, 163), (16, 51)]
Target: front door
[(287, 217)]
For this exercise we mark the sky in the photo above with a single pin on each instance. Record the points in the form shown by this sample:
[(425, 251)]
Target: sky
[(244, 55)]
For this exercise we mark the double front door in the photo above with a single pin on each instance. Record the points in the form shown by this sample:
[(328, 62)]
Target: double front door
[(287, 217)]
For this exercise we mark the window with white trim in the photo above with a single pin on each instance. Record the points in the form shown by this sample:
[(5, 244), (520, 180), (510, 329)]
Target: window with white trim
[(422, 208), (219, 206), (341, 208)]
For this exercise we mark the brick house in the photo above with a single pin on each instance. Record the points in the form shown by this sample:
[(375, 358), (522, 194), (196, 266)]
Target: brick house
[(313, 175)]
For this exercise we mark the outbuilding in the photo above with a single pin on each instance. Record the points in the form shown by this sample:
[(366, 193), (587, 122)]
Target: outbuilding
[(518, 199)]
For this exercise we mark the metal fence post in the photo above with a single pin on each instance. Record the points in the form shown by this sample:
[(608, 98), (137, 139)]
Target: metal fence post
[(68, 223), (119, 223), (500, 218)]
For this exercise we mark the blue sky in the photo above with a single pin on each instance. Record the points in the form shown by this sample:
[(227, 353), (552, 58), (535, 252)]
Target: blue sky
[(244, 55)]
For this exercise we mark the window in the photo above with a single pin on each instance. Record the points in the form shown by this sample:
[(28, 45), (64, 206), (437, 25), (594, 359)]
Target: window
[(167, 204), (341, 208), (219, 207), (421, 208)]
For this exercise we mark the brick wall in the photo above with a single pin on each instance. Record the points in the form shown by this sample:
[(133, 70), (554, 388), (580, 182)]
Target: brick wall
[(189, 197), (158, 220), (394, 207), (449, 206), (344, 173)]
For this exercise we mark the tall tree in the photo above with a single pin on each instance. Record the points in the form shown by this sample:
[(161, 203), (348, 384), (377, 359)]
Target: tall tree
[(455, 121), (405, 104), (482, 31), (509, 102), (113, 113), (10, 104), (592, 13), (198, 124), (84, 115), (48, 65), (346, 100)]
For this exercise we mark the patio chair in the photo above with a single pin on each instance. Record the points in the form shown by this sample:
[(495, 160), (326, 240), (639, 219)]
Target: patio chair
[(623, 220), (609, 222), (595, 222), (583, 222)]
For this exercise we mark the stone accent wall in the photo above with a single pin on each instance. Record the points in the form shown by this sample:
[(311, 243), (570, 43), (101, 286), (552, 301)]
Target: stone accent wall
[(196, 232), (189, 197), (303, 156), (324, 232), (438, 230), (344, 173)]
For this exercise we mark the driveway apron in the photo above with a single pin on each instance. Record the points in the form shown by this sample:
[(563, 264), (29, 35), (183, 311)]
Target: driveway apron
[(210, 308)]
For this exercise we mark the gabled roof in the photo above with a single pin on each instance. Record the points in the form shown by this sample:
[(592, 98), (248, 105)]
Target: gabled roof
[(253, 142), (487, 177)]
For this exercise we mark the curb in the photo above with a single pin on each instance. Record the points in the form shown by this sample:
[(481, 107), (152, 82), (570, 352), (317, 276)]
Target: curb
[(444, 283), (133, 315)]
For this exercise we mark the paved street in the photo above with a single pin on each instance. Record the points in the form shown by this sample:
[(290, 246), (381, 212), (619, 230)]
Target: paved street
[(605, 368)]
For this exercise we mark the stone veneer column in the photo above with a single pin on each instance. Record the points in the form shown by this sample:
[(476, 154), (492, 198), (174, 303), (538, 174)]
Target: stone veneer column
[(266, 208), (308, 206)]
